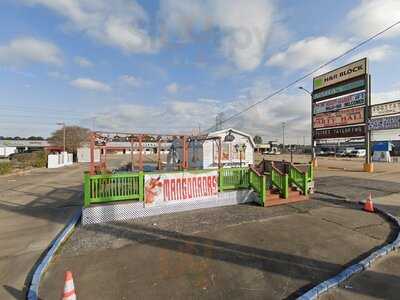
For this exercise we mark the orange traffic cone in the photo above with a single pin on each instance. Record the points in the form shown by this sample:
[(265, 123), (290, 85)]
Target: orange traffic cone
[(69, 288), (369, 206)]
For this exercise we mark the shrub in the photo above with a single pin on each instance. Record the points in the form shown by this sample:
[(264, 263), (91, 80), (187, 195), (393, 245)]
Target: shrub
[(5, 168), (37, 159)]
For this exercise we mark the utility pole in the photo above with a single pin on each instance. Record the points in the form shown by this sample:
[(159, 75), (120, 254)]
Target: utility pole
[(313, 155), (63, 124), (283, 136)]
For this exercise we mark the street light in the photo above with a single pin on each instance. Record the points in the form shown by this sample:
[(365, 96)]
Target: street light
[(63, 125), (313, 156), (239, 149)]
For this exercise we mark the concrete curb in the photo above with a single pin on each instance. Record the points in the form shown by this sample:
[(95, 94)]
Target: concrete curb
[(39, 269), (362, 265)]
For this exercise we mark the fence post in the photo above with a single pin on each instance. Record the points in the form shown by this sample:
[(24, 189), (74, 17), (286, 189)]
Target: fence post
[(263, 190), (305, 184), (86, 190), (141, 186), (221, 179), (285, 186), (311, 172)]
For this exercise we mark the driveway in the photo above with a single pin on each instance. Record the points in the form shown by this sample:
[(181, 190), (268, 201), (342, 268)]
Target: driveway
[(33, 208)]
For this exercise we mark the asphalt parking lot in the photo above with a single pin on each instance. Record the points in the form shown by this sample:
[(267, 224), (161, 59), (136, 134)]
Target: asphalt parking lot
[(239, 252)]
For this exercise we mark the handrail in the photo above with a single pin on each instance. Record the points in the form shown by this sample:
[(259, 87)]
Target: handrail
[(281, 181), (258, 183)]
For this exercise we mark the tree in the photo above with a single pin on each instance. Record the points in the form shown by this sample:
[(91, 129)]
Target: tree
[(75, 136), (258, 139)]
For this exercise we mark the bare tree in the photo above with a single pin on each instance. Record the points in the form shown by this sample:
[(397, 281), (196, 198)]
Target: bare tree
[(75, 136)]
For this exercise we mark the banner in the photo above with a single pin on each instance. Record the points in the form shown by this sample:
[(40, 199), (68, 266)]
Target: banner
[(341, 132), (347, 72), (384, 123), (358, 84), (389, 108), (171, 188), (342, 102), (339, 118)]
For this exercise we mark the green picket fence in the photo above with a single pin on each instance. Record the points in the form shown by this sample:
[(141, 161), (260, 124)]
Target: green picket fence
[(233, 178), (113, 187), (130, 186)]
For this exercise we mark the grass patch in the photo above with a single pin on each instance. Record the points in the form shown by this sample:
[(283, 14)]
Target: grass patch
[(5, 168)]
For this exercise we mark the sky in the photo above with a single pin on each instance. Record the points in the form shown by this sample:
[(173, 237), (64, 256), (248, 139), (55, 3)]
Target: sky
[(172, 66)]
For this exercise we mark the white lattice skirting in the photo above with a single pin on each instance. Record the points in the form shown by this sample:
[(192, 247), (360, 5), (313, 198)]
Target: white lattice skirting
[(133, 210)]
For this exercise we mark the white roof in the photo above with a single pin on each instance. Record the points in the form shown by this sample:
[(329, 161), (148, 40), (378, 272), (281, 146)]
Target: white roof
[(223, 131)]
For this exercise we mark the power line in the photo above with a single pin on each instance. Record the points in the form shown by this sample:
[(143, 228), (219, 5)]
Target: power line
[(359, 45)]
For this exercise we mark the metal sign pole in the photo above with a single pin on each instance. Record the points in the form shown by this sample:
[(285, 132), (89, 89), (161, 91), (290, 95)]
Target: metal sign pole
[(368, 167)]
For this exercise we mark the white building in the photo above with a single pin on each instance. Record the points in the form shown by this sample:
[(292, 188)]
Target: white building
[(6, 151), (237, 150)]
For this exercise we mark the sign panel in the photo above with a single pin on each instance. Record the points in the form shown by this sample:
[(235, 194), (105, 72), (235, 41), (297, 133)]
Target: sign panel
[(392, 122), (171, 188), (358, 84), (339, 118), (389, 108), (341, 132), (342, 102), (347, 72)]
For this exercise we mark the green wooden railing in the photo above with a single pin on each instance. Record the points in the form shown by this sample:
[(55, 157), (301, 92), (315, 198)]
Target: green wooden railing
[(258, 183), (280, 181), (298, 178), (113, 187), (130, 186), (233, 178)]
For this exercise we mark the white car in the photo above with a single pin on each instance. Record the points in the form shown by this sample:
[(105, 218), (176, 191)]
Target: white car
[(358, 153)]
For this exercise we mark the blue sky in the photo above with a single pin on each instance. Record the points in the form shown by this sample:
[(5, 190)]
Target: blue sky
[(149, 66)]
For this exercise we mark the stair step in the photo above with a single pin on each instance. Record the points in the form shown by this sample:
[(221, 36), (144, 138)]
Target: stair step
[(280, 201)]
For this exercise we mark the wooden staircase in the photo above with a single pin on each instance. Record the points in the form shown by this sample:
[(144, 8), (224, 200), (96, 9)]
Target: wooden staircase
[(273, 197)]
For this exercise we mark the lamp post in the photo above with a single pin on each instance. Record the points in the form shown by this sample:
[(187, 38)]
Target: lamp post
[(313, 156), (63, 125), (239, 149)]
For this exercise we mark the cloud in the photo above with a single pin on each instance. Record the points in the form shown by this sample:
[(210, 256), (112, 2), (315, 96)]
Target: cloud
[(118, 23), (26, 50), (131, 81), (168, 117), (244, 26), (186, 115), (172, 88), (372, 16), (90, 84), (308, 52), (83, 62), (379, 53)]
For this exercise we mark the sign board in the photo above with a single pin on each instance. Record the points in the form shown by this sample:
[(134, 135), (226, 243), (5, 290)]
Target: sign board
[(382, 146), (341, 132), (344, 73), (171, 188), (338, 103), (392, 122), (347, 87), (339, 118), (389, 108)]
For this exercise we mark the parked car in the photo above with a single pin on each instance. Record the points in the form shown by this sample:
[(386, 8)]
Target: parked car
[(358, 153), (341, 153)]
